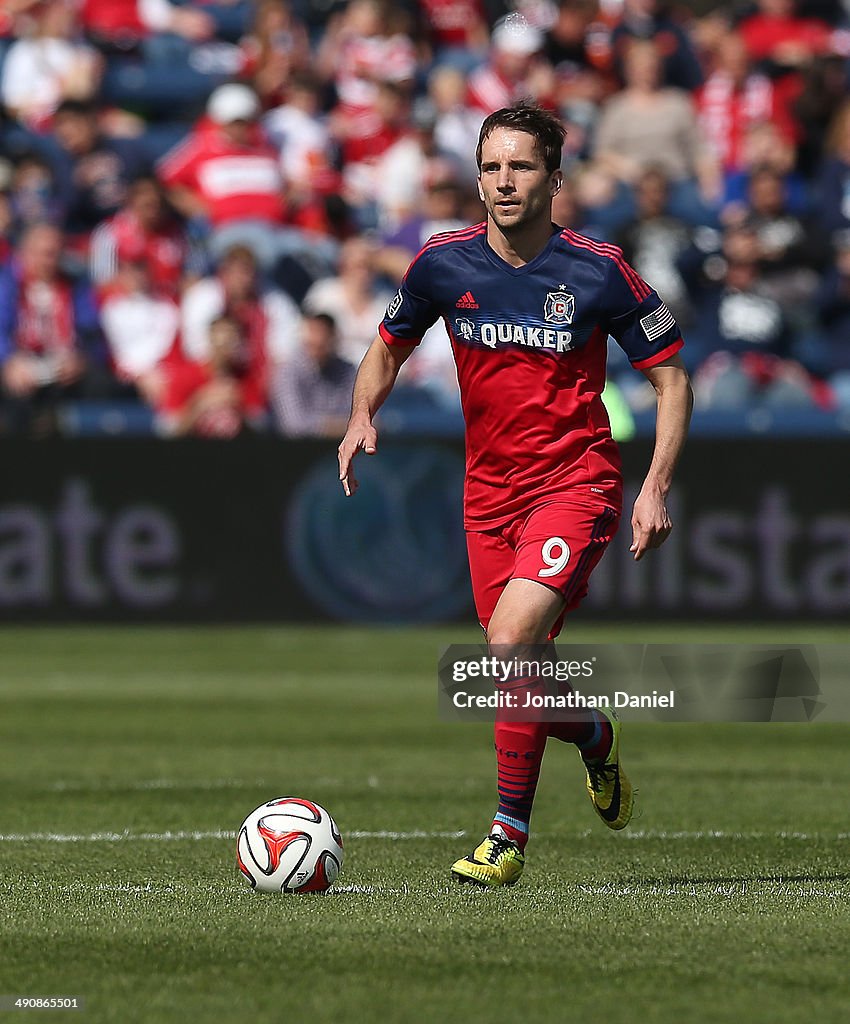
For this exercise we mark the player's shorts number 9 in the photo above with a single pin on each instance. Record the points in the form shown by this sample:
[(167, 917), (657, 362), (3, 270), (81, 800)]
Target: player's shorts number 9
[(555, 553)]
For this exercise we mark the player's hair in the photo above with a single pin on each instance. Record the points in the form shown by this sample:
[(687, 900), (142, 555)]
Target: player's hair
[(546, 129)]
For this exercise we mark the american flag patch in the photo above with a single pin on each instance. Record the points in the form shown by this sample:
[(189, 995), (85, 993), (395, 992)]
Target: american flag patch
[(657, 323)]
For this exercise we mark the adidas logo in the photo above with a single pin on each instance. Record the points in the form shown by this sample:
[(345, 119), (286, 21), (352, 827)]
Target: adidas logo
[(467, 301)]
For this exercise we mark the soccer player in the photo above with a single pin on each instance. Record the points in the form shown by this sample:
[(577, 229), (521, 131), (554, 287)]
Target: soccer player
[(529, 307)]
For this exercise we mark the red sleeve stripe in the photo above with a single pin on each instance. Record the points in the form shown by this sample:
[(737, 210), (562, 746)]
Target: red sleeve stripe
[(448, 236), (640, 289), (659, 357), (391, 339)]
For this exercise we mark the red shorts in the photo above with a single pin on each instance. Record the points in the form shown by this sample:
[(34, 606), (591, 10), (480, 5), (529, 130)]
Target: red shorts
[(557, 544)]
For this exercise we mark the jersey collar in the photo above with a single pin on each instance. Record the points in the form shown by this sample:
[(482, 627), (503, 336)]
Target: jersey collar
[(526, 268)]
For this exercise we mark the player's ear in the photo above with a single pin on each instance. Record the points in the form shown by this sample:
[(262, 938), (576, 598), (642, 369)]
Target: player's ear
[(480, 189), (557, 182)]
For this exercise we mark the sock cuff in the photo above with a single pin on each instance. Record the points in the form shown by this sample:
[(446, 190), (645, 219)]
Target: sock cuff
[(515, 823), (595, 737)]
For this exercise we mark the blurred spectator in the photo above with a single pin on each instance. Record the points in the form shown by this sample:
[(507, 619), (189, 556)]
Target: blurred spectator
[(52, 66), (276, 48), (362, 151), (791, 249), (513, 70), (370, 58), (145, 230), (120, 25), (50, 343), (825, 87), (833, 186), (741, 337), (140, 326), (93, 172), (779, 40), (651, 20), (410, 166), (300, 134), (268, 319), (581, 74), (220, 396), (456, 123), (456, 31), (734, 98), (365, 45), (228, 173), (33, 195), (312, 180), (647, 125), (654, 242), (440, 209), (764, 147), (311, 395), (354, 299)]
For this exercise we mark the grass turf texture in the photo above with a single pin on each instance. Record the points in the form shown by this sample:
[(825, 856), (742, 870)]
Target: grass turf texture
[(150, 731)]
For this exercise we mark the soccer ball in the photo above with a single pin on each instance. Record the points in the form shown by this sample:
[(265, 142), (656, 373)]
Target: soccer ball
[(289, 845)]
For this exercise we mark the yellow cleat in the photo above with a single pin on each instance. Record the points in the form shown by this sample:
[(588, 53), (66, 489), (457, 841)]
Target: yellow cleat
[(496, 861), (607, 785)]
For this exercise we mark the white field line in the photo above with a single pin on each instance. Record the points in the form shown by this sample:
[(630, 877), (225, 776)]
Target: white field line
[(142, 785), (180, 836), (166, 837)]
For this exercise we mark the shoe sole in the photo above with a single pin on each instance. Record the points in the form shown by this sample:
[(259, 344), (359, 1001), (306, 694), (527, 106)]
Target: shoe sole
[(466, 880)]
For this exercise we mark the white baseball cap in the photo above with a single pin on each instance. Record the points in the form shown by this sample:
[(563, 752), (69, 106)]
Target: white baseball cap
[(513, 34), (233, 102)]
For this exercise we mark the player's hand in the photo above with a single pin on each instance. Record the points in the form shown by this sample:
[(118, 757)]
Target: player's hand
[(651, 524), (361, 435)]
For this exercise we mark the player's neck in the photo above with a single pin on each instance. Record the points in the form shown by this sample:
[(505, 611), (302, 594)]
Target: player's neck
[(521, 246)]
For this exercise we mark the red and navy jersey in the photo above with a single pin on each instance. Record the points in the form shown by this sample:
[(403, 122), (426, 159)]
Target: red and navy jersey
[(530, 345)]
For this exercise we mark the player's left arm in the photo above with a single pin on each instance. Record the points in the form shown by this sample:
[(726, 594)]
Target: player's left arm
[(651, 523)]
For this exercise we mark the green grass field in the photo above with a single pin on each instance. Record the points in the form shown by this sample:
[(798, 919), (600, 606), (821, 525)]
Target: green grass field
[(127, 757)]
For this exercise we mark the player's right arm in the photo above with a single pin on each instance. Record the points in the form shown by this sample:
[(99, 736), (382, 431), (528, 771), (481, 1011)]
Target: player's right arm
[(408, 317), (373, 383)]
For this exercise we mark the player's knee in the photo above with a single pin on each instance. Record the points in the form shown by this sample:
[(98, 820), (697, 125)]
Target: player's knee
[(514, 634)]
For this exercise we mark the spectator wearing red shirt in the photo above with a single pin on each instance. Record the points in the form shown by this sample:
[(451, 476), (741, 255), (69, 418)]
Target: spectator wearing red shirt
[(145, 230), (366, 44), (512, 71), (457, 32), (734, 98), (220, 397), (779, 40), (228, 174), (121, 24)]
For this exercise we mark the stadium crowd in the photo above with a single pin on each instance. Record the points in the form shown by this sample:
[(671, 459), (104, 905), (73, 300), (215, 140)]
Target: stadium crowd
[(205, 207)]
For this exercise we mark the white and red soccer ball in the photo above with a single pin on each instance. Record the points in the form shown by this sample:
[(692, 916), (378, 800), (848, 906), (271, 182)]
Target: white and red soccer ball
[(289, 845)]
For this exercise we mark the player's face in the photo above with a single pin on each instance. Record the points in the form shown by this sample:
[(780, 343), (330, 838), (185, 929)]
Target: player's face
[(513, 182)]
